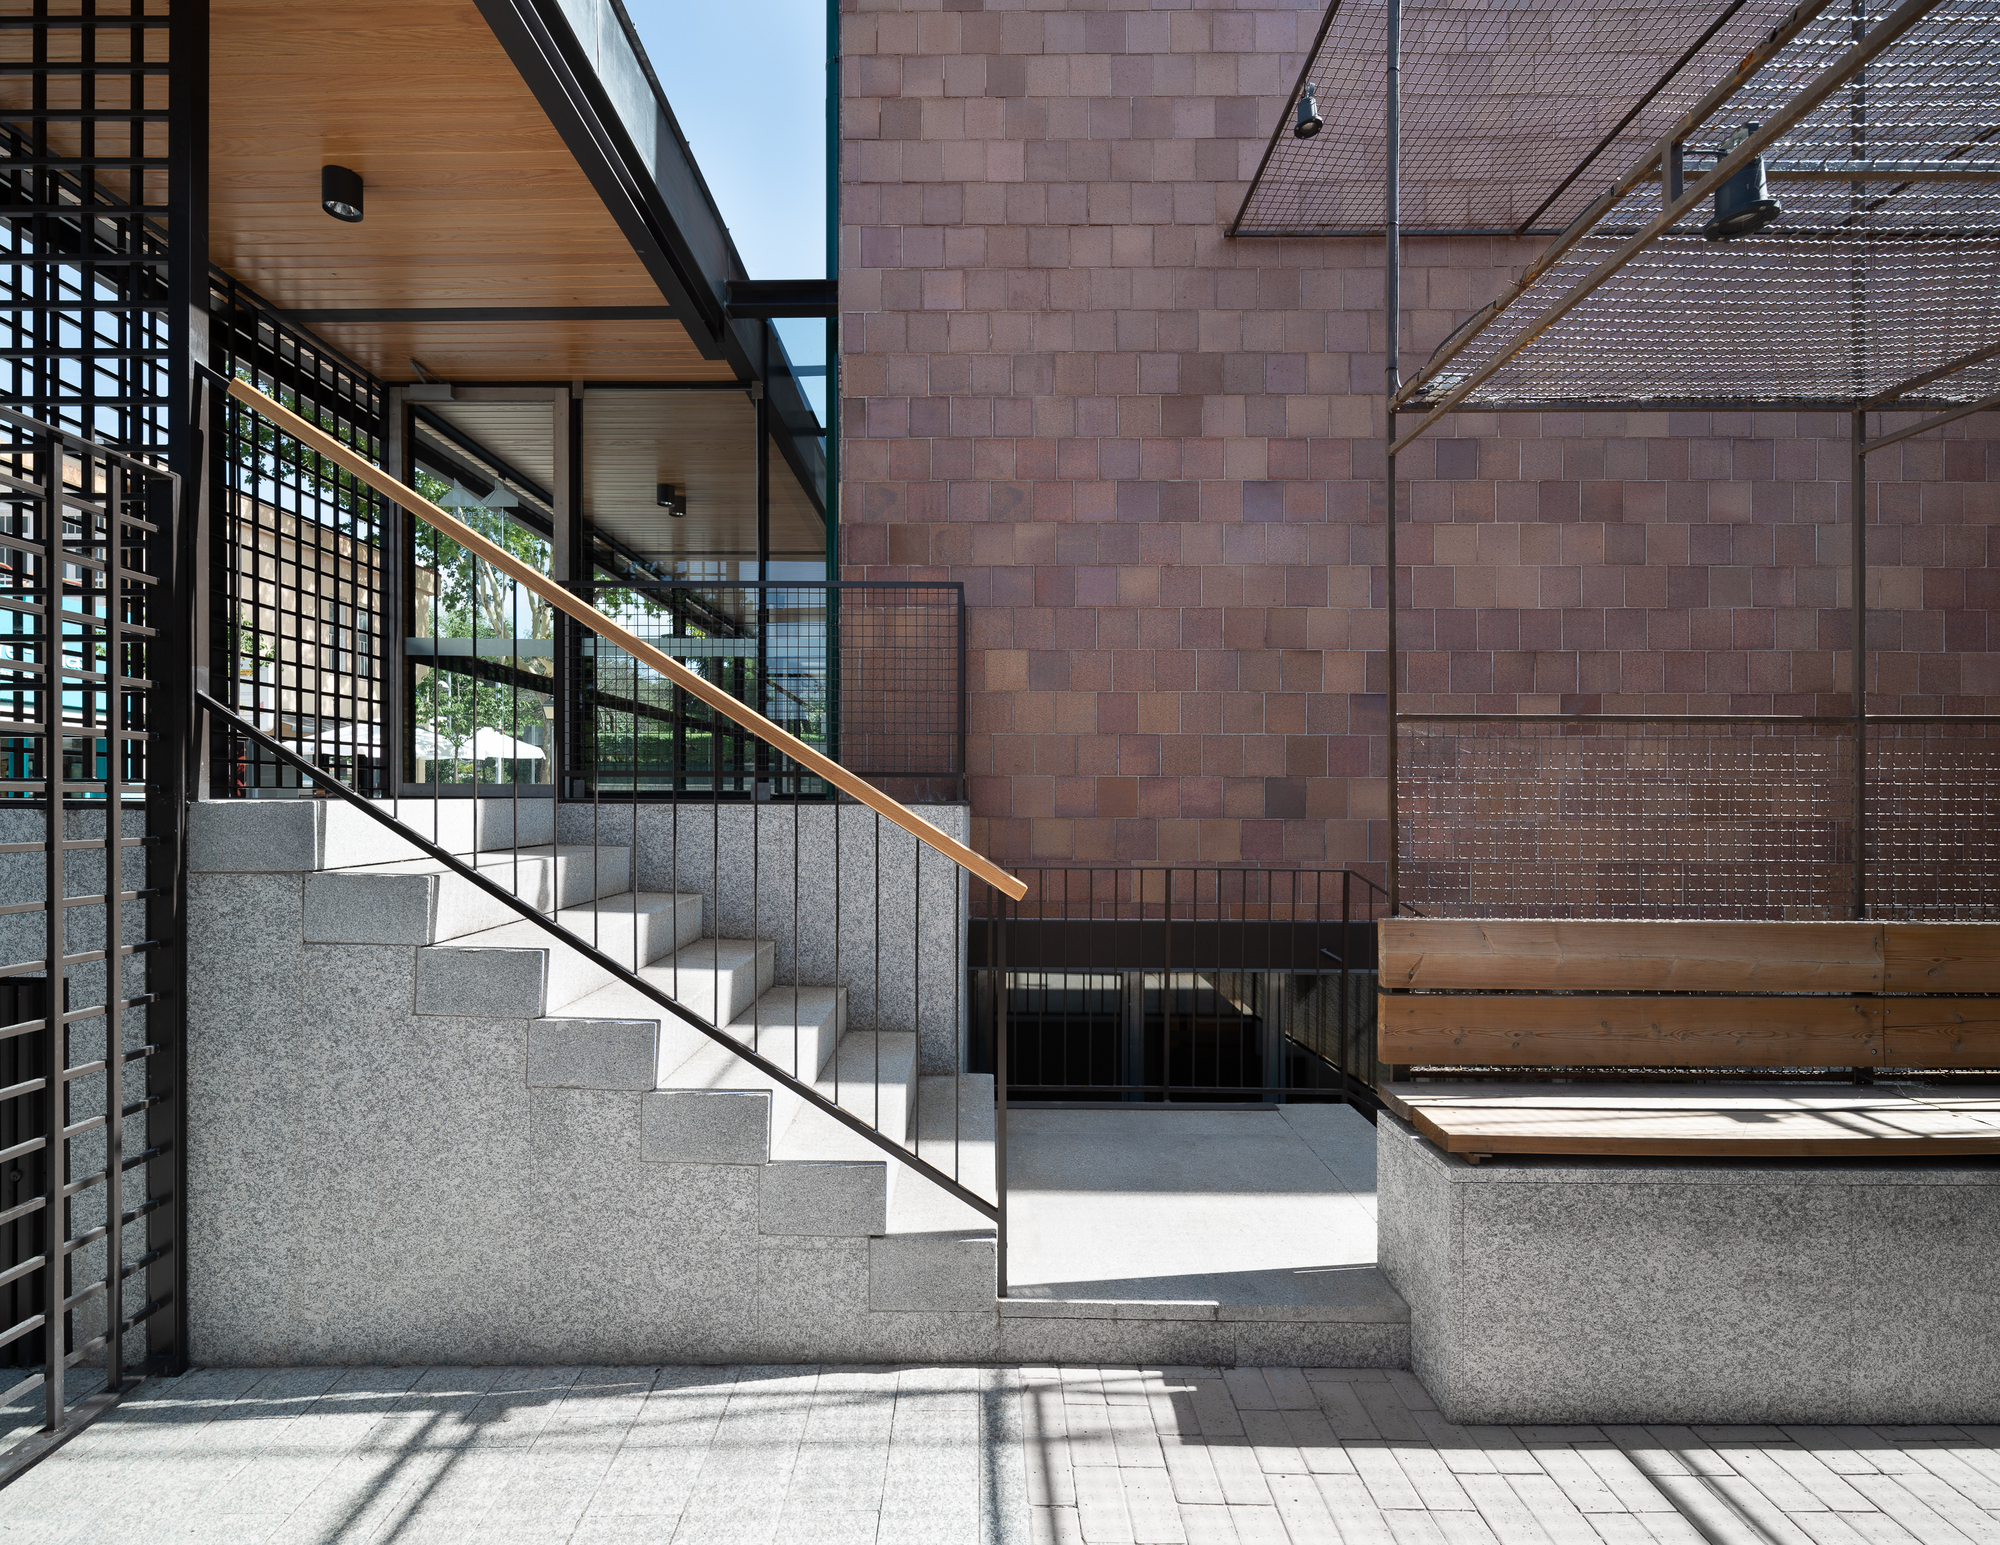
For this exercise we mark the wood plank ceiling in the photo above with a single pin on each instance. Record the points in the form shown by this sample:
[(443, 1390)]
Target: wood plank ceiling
[(472, 197)]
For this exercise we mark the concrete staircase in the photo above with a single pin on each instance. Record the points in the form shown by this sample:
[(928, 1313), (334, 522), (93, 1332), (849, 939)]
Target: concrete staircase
[(700, 1105)]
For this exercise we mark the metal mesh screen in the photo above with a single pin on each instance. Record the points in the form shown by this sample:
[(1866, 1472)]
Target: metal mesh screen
[(1860, 287), (1695, 821), (1933, 837), (1512, 114)]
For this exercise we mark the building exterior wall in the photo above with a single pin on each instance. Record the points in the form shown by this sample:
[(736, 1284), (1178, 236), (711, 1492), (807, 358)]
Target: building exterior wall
[(1152, 454)]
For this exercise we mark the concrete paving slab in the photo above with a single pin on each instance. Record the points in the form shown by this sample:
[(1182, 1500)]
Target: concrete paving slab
[(1251, 1208)]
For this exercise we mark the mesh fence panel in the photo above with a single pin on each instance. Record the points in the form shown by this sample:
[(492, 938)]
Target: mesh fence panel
[(1933, 842), (1689, 821)]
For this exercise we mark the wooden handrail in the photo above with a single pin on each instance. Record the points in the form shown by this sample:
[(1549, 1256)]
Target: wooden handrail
[(627, 640)]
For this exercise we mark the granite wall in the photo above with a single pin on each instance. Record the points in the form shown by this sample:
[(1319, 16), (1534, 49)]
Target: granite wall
[(1668, 1291)]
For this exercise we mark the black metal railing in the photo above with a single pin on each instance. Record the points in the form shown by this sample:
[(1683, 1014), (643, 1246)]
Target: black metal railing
[(91, 1049), (1178, 985)]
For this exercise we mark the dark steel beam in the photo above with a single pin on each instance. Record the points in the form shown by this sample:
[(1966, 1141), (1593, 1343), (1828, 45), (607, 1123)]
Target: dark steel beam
[(538, 39), (1937, 420), (753, 299)]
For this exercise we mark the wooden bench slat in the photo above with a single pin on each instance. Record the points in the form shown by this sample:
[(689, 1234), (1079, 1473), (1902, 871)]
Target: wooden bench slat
[(1649, 1120), (1941, 957), (1943, 1033), (1441, 954), (1630, 1031)]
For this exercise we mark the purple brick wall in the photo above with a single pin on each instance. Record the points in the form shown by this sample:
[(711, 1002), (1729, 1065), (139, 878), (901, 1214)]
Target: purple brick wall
[(1151, 453)]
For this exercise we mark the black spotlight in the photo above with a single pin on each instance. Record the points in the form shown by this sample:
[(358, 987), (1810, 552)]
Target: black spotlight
[(669, 498), (1744, 203), (1310, 122), (340, 193)]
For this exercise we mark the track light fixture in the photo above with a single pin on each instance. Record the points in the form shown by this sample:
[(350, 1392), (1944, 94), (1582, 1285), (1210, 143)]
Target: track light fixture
[(670, 499), (340, 193), (1310, 122), (1744, 203)]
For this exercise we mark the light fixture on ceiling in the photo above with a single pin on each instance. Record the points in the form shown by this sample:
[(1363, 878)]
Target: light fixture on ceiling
[(1743, 204), (670, 499), (340, 193), (1310, 122)]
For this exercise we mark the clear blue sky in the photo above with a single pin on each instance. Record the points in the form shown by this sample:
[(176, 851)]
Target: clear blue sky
[(747, 80)]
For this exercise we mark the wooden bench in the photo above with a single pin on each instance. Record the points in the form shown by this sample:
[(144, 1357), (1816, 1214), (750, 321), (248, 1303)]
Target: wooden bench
[(1578, 1000)]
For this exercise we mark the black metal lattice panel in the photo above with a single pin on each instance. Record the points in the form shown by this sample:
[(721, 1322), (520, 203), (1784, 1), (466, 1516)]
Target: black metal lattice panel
[(299, 627), (84, 1217), (83, 220), (90, 795)]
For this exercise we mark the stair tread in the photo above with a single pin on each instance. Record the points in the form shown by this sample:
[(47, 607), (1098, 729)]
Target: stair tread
[(524, 934), (493, 858), (713, 955), (813, 1134)]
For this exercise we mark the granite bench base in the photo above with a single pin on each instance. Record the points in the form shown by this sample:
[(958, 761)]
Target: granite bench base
[(1557, 1290)]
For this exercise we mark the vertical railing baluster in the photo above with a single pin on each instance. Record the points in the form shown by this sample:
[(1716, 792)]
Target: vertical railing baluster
[(55, 1210)]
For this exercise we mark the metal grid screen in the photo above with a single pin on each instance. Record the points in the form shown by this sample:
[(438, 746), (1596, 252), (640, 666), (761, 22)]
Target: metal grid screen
[(1514, 116), (90, 795), (298, 631), (84, 534), (1933, 844), (83, 220), (1691, 821)]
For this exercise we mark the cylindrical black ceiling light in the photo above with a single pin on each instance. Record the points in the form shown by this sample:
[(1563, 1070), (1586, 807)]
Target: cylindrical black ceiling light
[(340, 193), (1744, 203), (1310, 122), (670, 499)]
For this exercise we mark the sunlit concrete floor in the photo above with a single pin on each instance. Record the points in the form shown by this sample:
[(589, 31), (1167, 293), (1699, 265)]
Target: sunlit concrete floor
[(1234, 1207), (956, 1456)]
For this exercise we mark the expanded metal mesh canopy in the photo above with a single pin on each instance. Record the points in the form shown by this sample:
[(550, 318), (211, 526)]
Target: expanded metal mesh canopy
[(1514, 115), (1879, 282)]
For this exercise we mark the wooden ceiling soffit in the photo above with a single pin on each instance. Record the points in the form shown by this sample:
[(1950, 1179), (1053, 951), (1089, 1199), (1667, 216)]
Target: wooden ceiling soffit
[(487, 253)]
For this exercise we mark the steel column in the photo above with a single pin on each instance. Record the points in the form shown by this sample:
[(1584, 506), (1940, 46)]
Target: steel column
[(1392, 382), (54, 1032)]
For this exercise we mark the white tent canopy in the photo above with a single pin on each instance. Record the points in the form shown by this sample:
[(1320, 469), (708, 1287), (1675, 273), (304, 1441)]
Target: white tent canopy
[(484, 745)]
